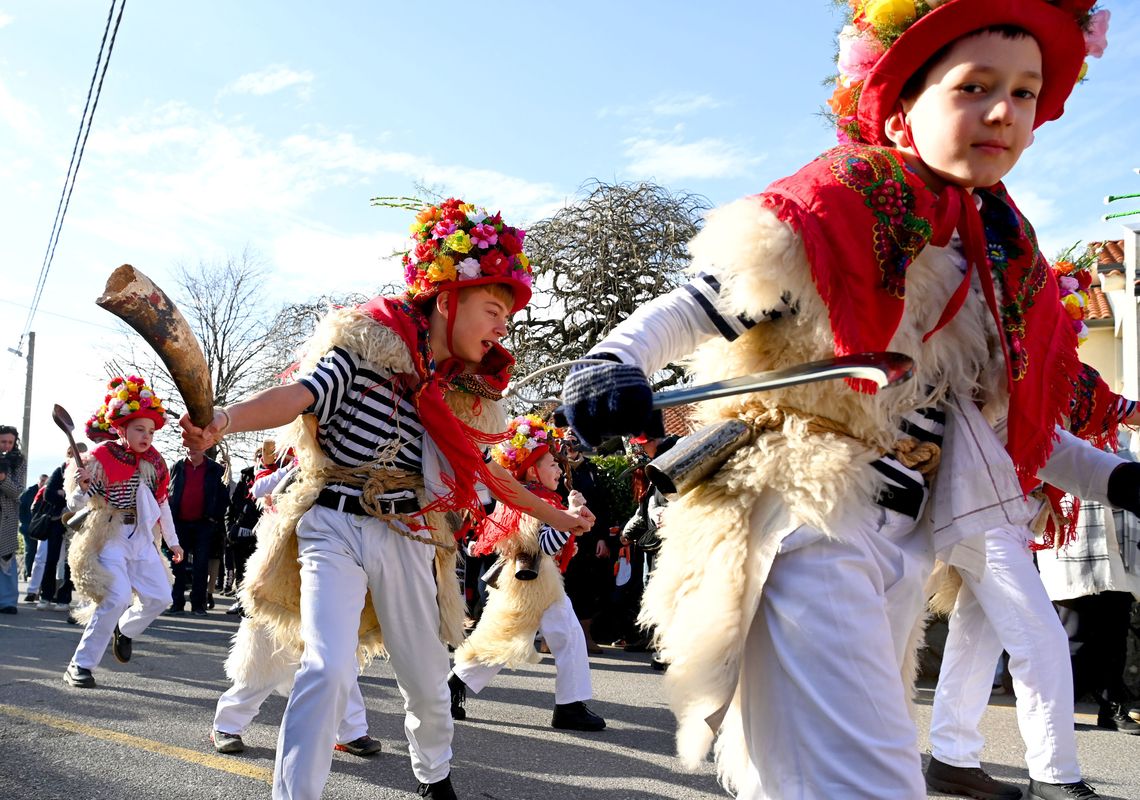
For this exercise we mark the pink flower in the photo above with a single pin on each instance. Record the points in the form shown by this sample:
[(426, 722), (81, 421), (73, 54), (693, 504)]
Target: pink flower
[(443, 229), (858, 52), (484, 235), (1096, 37), (524, 278), (1068, 284)]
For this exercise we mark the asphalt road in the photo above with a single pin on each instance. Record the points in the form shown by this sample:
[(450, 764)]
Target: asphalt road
[(143, 733)]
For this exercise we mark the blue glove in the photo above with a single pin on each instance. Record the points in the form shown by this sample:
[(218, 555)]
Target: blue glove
[(606, 400)]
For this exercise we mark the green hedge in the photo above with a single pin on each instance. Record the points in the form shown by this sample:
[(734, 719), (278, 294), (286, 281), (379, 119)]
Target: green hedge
[(615, 475)]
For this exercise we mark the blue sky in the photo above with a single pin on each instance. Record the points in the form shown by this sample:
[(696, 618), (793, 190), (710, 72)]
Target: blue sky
[(271, 124)]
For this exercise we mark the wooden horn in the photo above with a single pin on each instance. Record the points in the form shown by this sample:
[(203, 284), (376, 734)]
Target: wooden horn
[(134, 298)]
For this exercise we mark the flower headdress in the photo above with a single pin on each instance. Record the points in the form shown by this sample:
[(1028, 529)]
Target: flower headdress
[(886, 41), (456, 244), (127, 398), (1074, 276), (528, 438)]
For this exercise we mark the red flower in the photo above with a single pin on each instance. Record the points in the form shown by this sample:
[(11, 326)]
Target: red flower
[(494, 262), (510, 243), (451, 204), (425, 251)]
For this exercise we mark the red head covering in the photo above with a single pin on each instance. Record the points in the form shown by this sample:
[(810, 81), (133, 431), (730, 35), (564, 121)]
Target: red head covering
[(888, 42), (127, 398)]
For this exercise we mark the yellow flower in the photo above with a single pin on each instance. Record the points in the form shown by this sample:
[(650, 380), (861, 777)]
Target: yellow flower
[(1084, 71), (442, 269), (123, 394), (132, 387), (133, 405), (889, 13), (467, 208), (524, 262), (459, 241)]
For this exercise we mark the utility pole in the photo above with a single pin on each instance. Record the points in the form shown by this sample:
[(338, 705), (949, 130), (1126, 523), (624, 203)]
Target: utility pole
[(27, 432)]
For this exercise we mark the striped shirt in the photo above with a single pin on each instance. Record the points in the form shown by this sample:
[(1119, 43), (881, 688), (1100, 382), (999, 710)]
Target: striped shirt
[(122, 496), (551, 541), (363, 416)]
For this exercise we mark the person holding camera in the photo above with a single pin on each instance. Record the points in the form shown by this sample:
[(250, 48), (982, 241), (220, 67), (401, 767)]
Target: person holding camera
[(13, 472)]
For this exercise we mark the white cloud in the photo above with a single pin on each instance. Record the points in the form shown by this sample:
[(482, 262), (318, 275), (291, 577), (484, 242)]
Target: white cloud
[(19, 116), (269, 80), (5, 19), (669, 160), (683, 104), (309, 261)]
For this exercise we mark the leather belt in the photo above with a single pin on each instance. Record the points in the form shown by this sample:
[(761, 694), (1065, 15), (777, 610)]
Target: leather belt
[(350, 504), (125, 517)]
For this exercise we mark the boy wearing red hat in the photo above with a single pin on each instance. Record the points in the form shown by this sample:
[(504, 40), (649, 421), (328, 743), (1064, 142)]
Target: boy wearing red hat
[(125, 483), (903, 238), (383, 456), (528, 594)]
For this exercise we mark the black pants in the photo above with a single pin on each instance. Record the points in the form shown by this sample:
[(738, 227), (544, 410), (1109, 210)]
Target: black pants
[(242, 548), (196, 539), (51, 564), (1098, 641)]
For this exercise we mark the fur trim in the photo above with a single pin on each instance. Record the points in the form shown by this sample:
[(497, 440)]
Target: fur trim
[(272, 588), (942, 588), (700, 602), (255, 658), (505, 633)]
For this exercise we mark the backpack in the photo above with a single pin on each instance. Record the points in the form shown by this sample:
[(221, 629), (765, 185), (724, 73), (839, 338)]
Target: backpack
[(40, 526)]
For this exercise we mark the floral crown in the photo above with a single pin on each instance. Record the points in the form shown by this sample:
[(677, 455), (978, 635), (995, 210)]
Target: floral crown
[(873, 26), (528, 437), (126, 399), (1074, 276), (455, 242)]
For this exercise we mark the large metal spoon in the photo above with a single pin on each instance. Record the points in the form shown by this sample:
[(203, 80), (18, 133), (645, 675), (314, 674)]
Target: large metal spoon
[(61, 418)]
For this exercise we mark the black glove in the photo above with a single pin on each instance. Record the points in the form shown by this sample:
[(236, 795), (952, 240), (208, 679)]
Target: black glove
[(605, 400), (1124, 487)]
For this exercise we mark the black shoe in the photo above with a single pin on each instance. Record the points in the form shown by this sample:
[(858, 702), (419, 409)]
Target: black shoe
[(458, 696), (9, 610), (362, 746), (227, 742), (198, 612), (121, 646), (1061, 791), (31, 597), (80, 677), (1113, 717), (174, 612), (440, 790), (968, 782), (576, 717), (658, 664), (209, 601)]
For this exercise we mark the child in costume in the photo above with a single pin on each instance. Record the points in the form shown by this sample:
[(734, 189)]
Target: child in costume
[(788, 593), (382, 459), (124, 486), (527, 594)]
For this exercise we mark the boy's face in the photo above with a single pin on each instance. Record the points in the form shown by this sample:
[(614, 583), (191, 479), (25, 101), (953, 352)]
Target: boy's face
[(138, 434), (974, 117), (546, 471), (480, 321)]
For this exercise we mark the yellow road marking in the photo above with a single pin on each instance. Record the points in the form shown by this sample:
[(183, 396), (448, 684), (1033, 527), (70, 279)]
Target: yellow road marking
[(225, 764)]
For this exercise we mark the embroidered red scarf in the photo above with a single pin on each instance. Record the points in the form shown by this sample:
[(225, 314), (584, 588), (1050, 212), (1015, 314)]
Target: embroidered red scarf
[(504, 523), (456, 440), (864, 217), (119, 464)]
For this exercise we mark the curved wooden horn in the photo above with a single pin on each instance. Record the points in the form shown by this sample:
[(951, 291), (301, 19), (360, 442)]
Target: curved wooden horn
[(135, 299)]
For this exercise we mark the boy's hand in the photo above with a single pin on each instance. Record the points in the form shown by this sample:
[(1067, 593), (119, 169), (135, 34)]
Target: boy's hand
[(83, 475), (197, 438), (605, 400), (176, 554)]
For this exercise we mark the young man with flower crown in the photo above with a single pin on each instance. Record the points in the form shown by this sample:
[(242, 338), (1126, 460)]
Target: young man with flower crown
[(384, 455), (799, 653), (528, 594), (125, 483)]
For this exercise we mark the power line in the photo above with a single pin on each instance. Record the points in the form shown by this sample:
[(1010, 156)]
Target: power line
[(93, 92)]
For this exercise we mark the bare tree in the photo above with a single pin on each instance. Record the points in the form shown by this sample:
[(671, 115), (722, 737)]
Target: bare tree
[(597, 261)]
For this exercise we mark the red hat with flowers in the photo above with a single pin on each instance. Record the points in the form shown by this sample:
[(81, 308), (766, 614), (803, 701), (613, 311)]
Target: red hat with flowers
[(127, 398), (528, 438), (456, 244), (887, 41)]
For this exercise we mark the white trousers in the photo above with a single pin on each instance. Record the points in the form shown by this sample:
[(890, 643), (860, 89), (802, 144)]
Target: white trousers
[(240, 703), (1007, 608), (38, 565), (132, 565), (824, 706), (560, 628), (343, 556)]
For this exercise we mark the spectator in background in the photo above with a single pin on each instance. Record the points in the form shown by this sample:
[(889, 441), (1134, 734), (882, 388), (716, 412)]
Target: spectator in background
[(241, 518), (13, 473), (30, 544), (590, 575), (54, 591), (198, 502)]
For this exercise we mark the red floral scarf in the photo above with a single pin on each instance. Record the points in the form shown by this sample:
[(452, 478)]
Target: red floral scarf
[(119, 464)]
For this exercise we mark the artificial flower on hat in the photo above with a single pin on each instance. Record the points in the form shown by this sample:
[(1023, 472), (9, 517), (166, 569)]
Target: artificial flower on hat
[(456, 244), (887, 41), (1074, 277), (127, 398), (528, 438)]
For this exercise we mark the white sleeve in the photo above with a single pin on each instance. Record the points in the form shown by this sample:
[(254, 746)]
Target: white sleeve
[(263, 486), (1079, 468), (166, 525)]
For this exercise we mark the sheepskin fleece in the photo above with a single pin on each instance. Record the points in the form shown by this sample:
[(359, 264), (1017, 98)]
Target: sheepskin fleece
[(92, 579), (699, 602), (272, 589), (505, 633)]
